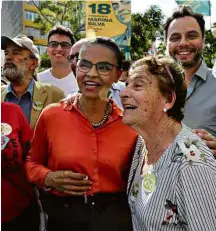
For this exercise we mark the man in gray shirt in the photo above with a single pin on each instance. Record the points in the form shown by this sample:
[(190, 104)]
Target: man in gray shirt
[(184, 32)]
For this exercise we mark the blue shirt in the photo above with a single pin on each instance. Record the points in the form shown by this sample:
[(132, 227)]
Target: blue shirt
[(200, 107), (25, 101), (114, 92)]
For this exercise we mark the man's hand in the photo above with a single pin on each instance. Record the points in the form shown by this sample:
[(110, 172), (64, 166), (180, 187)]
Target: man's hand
[(207, 138), (68, 182)]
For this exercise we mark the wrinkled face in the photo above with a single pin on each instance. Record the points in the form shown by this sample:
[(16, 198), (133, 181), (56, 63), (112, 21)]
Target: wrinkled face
[(142, 101), (92, 84), (184, 41), (18, 63), (58, 53), (74, 54), (122, 10)]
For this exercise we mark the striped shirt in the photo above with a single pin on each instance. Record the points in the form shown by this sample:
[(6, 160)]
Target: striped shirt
[(179, 192)]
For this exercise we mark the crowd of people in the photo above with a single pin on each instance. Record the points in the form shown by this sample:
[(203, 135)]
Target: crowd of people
[(96, 143)]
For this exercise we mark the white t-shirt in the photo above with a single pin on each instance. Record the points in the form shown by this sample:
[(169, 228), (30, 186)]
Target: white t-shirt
[(68, 84)]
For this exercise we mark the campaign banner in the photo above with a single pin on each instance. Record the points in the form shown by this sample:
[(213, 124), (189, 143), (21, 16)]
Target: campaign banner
[(110, 18), (200, 6)]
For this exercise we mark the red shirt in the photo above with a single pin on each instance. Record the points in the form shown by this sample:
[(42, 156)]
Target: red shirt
[(15, 129), (65, 140)]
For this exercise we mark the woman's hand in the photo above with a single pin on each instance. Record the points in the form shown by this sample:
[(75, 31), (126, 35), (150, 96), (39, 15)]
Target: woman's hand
[(68, 182), (208, 139)]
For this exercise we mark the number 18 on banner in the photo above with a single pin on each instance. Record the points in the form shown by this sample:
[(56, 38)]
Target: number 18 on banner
[(111, 18)]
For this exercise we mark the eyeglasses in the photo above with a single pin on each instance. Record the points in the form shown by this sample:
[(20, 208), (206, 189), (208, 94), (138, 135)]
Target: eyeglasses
[(71, 57), (64, 45), (103, 68)]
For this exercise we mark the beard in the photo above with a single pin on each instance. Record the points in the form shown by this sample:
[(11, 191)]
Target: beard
[(194, 61), (13, 74)]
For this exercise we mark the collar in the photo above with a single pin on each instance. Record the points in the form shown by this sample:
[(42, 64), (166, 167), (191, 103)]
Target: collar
[(72, 104), (118, 86), (202, 71), (29, 89)]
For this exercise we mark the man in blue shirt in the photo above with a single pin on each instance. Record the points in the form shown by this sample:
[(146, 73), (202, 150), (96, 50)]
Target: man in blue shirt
[(21, 61), (184, 33)]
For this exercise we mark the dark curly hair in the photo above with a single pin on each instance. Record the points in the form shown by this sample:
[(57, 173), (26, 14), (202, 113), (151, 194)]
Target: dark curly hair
[(183, 12), (170, 76), (106, 42)]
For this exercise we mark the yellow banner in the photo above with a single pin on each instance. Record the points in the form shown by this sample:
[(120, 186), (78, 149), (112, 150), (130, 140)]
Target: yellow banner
[(111, 18)]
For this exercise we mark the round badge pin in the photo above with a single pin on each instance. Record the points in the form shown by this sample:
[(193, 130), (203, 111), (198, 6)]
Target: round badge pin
[(149, 182), (4, 142), (6, 129)]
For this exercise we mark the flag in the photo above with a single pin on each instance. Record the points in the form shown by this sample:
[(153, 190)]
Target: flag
[(200, 6)]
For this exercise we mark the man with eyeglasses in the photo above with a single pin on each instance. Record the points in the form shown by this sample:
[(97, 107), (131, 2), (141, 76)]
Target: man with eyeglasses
[(60, 41), (21, 61)]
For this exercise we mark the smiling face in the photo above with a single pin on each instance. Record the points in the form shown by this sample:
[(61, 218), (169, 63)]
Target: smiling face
[(92, 84), (59, 54), (142, 101), (122, 10), (18, 63), (184, 41)]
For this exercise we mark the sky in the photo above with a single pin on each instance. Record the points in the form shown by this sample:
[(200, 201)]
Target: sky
[(167, 6)]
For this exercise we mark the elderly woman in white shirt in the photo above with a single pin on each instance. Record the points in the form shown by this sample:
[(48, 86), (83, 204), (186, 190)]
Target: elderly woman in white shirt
[(172, 181)]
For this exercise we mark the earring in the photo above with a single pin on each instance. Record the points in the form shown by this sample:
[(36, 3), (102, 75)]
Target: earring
[(164, 110)]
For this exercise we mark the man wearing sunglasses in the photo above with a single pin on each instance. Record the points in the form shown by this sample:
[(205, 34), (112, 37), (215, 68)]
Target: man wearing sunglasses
[(60, 41)]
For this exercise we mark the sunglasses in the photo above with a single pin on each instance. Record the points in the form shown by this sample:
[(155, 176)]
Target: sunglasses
[(71, 57), (103, 68), (64, 45)]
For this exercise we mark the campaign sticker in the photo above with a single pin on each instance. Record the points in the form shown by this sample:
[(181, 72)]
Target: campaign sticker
[(4, 141), (6, 129)]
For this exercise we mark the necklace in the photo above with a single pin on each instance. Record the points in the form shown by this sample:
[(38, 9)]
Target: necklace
[(105, 117)]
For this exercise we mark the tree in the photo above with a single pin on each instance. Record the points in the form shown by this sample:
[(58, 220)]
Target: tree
[(145, 29), (209, 52), (45, 62), (64, 12)]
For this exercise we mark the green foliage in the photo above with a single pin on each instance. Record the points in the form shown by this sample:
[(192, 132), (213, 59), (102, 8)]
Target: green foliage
[(45, 62), (209, 52), (145, 28), (148, 26), (64, 12)]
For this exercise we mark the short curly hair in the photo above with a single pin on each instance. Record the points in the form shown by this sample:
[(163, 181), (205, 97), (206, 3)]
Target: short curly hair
[(171, 78)]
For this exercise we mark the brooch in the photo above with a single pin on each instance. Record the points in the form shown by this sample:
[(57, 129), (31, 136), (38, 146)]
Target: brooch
[(38, 106)]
